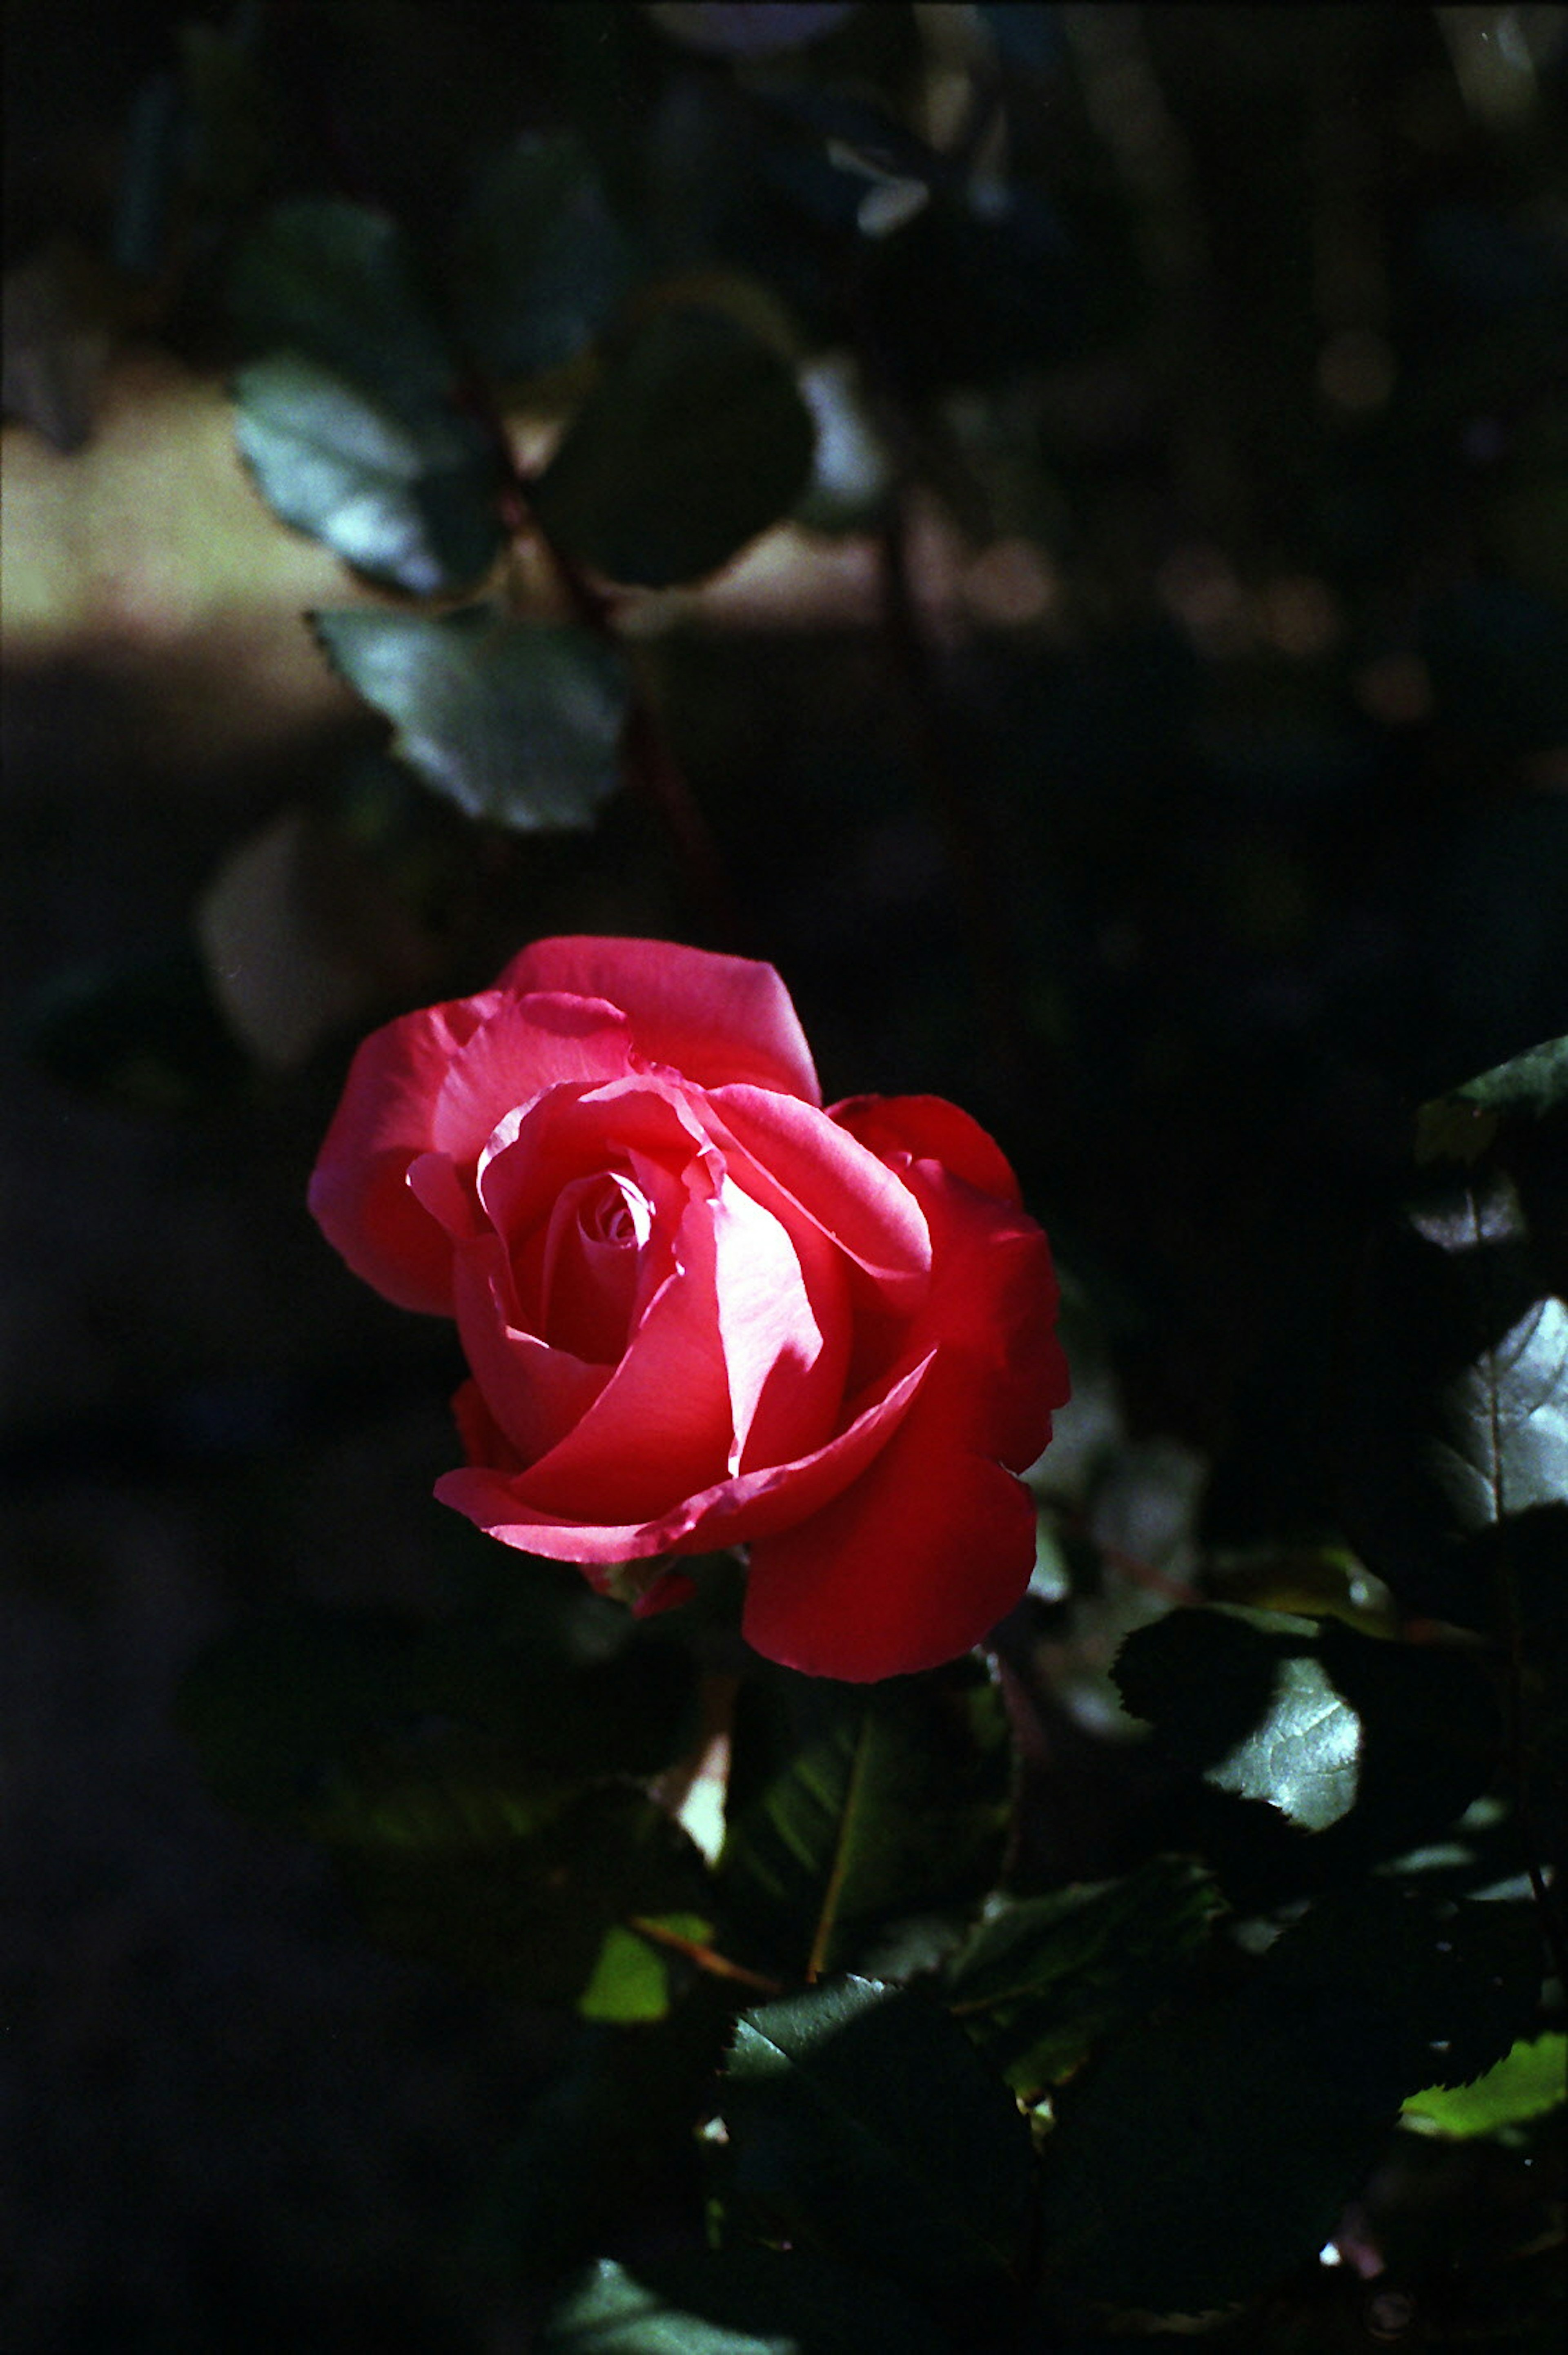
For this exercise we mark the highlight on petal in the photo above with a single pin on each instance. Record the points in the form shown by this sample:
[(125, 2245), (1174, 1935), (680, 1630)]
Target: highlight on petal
[(526, 1046), (713, 1018), (358, 1192), (797, 1159)]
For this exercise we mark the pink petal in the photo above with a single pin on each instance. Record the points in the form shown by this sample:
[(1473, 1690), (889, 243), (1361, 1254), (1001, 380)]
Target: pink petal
[(752, 1504), (799, 1164), (713, 1018), (899, 1129), (785, 1353), (527, 1046), (908, 1567), (387, 1116), (534, 1395)]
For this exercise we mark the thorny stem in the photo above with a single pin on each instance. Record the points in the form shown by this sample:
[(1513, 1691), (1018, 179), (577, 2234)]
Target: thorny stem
[(706, 1958)]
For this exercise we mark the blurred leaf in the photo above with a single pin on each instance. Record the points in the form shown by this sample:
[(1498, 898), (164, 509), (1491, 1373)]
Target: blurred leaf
[(694, 440), (409, 500), (280, 1703), (851, 1805), (336, 283), (145, 1032), (863, 2126), (1043, 1980), (1367, 1745), (455, 1853), (735, 2302), (1208, 2153), (1530, 2081), (519, 723), (540, 260), (1464, 1123)]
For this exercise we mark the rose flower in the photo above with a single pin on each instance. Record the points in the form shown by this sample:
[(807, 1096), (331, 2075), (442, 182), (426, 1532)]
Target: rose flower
[(698, 1310)]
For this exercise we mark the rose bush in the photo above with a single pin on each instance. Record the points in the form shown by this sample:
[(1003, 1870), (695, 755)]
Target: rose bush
[(698, 1309)]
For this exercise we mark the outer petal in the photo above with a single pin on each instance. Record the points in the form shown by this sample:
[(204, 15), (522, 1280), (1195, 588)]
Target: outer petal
[(714, 1019), (901, 1129), (908, 1568), (752, 1504), (800, 1164), (358, 1193), (526, 1046), (934, 1542)]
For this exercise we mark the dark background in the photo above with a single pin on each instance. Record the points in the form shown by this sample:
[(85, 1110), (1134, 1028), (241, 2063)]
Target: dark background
[(1192, 880)]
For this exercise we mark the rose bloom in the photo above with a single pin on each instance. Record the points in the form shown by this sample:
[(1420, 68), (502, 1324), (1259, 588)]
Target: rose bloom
[(698, 1310)]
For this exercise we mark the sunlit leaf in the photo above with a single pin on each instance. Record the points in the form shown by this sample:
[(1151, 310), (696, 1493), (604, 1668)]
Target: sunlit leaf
[(1366, 1745), (517, 723), (1042, 1980), (540, 260), (409, 501), (736, 2302), (851, 1805), (693, 441), (863, 2124), (1529, 2082)]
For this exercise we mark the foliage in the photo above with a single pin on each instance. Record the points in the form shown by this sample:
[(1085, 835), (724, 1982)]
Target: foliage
[(1107, 1978)]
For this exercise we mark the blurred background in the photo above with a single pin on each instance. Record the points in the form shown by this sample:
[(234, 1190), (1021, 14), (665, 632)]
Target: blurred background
[(1151, 730)]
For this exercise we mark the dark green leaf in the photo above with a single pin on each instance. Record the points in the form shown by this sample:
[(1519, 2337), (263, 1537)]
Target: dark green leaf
[(336, 283), (736, 2302), (695, 440), (1453, 1414), (407, 500), (519, 723), (1366, 1745), (851, 1805), (863, 2126), (282, 1702), (528, 1882), (1461, 1126), (611, 2130), (1043, 1980), (541, 259), (1208, 2153)]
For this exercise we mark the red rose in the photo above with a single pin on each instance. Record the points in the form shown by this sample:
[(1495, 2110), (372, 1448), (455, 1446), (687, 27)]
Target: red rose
[(698, 1309)]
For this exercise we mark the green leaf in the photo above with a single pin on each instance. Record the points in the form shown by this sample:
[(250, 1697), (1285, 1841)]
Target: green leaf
[(1206, 2154), (519, 723), (407, 500), (280, 1704), (1453, 1414), (1364, 1744), (454, 1853), (337, 283), (863, 2126), (346, 413), (853, 1805), (736, 2302), (540, 260), (1043, 1980), (1463, 1124), (694, 440), (1529, 2082)]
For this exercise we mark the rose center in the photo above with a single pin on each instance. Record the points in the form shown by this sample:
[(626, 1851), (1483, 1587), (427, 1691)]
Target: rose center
[(591, 1264)]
